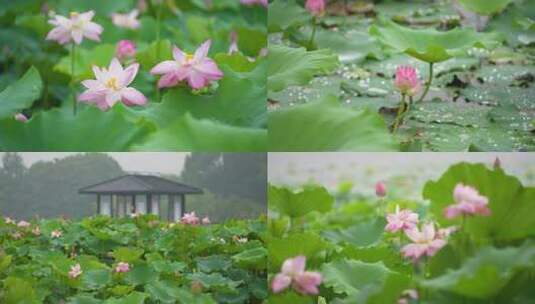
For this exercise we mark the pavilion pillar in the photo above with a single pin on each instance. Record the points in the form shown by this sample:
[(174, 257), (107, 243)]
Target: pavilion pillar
[(182, 205), (171, 208), (98, 203)]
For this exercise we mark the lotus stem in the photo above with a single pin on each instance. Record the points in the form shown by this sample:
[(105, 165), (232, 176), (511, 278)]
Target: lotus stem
[(73, 58), (399, 115), (428, 83), (313, 35)]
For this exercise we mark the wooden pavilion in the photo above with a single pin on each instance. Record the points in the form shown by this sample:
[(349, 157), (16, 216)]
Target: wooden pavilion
[(141, 194)]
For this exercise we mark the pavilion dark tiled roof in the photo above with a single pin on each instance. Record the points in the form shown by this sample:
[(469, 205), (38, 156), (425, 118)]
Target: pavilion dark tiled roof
[(136, 183)]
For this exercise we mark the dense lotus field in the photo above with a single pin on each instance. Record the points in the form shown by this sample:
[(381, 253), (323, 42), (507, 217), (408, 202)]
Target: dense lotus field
[(401, 75), (468, 239), (132, 261), (122, 75)]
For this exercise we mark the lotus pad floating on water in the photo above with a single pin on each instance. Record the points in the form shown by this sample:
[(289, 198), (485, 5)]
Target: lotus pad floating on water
[(430, 45)]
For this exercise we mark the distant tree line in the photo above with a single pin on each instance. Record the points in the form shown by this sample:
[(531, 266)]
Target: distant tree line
[(234, 184)]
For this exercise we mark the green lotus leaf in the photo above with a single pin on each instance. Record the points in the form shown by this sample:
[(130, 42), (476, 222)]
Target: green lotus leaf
[(84, 60), (190, 134), (95, 279), (59, 130), (238, 101), (485, 7), (296, 66), (328, 126), (510, 202), (127, 254), (285, 14), (164, 291), (17, 290), (307, 244), (213, 263), (364, 234), (133, 298), (364, 282), (290, 298), (297, 204), (21, 94), (214, 281), (430, 45), (486, 273), (141, 273), (254, 258)]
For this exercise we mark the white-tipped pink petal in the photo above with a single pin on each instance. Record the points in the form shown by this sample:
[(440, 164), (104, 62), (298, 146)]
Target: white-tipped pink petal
[(202, 51), (133, 97), (165, 67), (179, 55)]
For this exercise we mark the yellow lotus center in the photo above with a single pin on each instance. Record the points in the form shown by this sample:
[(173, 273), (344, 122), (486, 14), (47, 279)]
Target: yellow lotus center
[(112, 84), (189, 57), (74, 14)]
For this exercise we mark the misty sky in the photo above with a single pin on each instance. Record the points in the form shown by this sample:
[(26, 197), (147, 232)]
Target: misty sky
[(150, 162), (329, 169)]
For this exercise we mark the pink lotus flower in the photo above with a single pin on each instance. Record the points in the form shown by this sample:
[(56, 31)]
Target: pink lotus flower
[(190, 219), (293, 273), (425, 243), (126, 20), (21, 117), (254, 2), (197, 69), (23, 224), (468, 201), (125, 49), (75, 271), (75, 28), (122, 267), (111, 86), (407, 80), (56, 233), (380, 189), (316, 7), (36, 231), (9, 220), (401, 220), (206, 221)]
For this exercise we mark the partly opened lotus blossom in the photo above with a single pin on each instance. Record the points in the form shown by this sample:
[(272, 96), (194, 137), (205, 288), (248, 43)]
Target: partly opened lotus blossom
[(198, 70), (424, 243), (206, 221), (293, 274), (380, 189), (111, 86), (9, 220), (316, 7), (128, 20), (190, 219), (56, 233), (23, 224), (75, 271), (21, 117), (233, 44), (407, 80), (468, 201), (36, 231), (401, 220), (253, 2), (125, 49), (122, 267), (74, 28)]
